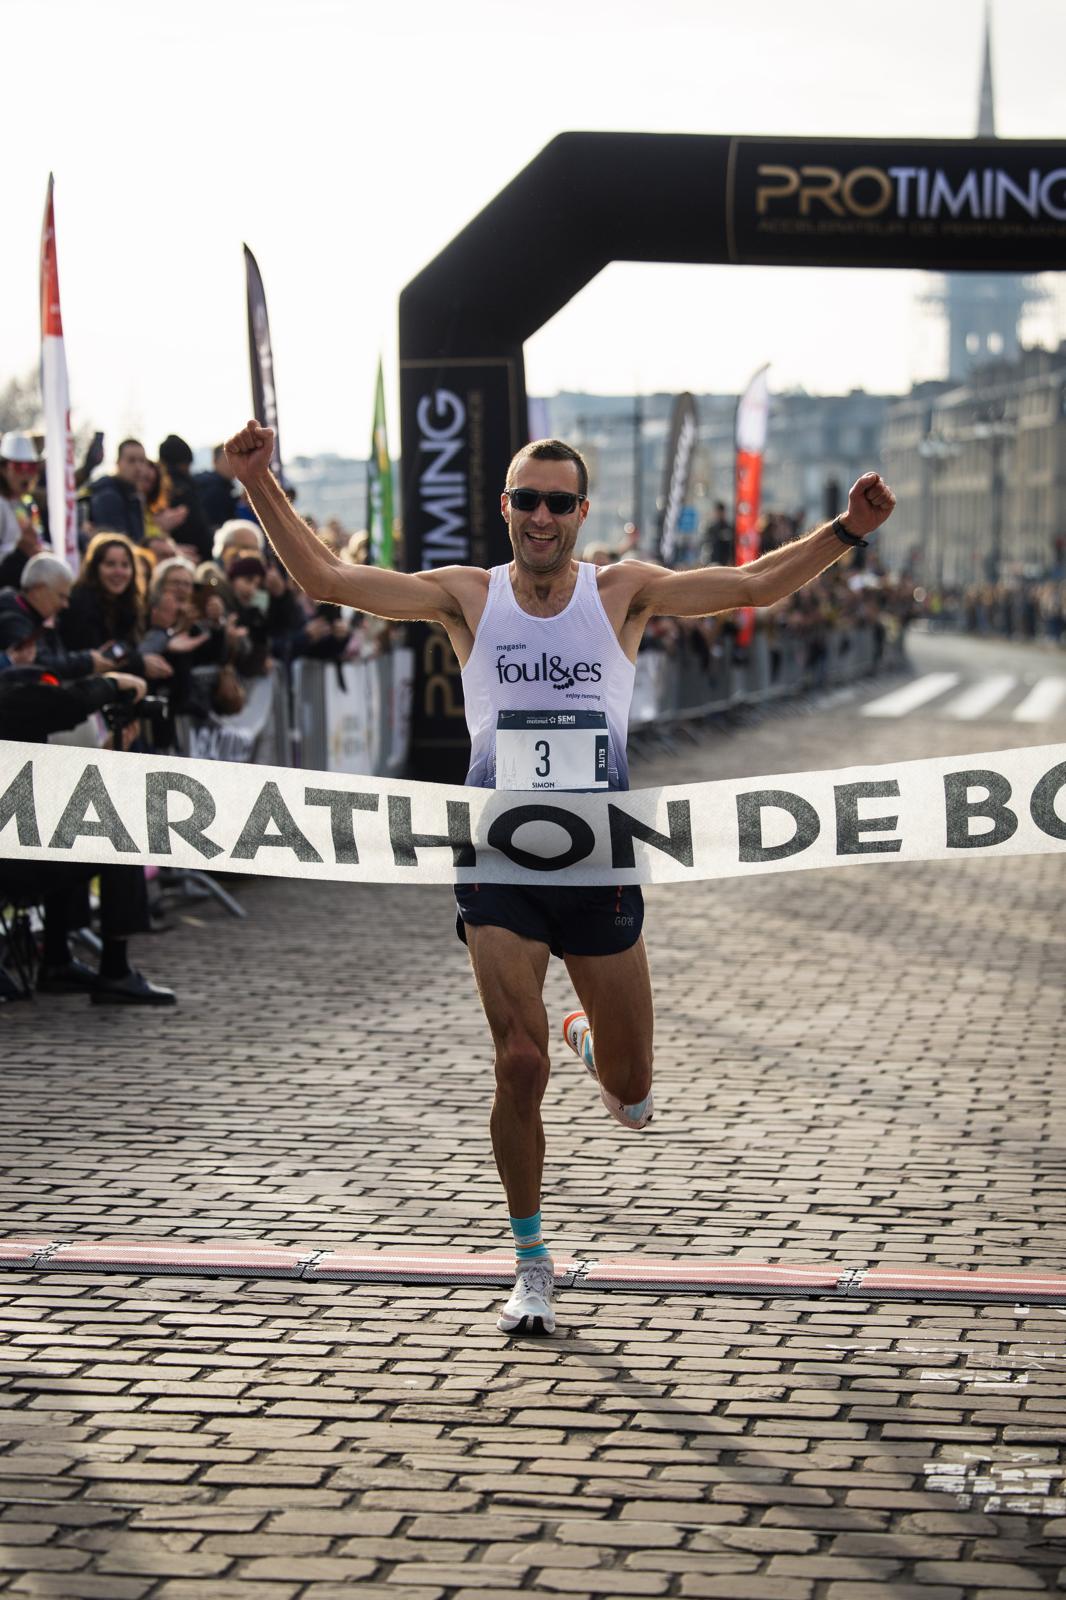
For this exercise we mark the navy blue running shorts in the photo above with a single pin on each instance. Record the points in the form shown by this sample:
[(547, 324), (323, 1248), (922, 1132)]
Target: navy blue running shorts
[(577, 922)]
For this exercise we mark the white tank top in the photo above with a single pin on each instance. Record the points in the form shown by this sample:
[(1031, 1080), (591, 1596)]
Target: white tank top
[(570, 662)]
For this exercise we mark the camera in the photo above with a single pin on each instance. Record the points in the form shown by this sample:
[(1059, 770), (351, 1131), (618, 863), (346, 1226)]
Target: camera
[(152, 709)]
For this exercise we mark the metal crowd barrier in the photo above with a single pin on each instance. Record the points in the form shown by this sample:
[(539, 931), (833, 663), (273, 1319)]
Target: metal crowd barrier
[(259, 732), (694, 682), (353, 716)]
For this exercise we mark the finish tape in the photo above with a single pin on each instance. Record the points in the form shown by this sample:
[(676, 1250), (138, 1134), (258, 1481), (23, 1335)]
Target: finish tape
[(64, 803)]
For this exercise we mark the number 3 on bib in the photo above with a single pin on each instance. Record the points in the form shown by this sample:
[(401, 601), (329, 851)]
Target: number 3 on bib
[(551, 750)]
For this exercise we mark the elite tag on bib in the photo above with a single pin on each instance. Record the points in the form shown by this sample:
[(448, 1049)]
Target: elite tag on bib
[(551, 750)]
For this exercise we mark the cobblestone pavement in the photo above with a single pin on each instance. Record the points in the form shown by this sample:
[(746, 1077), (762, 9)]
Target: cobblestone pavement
[(856, 1066)]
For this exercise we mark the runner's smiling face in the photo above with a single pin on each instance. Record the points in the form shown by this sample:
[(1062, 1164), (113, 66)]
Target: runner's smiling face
[(543, 544)]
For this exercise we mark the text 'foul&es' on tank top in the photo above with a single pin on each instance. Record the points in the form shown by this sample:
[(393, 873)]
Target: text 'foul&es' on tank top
[(571, 662)]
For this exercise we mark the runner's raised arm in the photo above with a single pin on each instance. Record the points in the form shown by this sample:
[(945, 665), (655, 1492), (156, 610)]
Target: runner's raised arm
[(399, 596), (772, 576)]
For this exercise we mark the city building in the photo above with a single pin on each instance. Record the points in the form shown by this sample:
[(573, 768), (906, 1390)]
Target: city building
[(979, 470), (624, 440), (330, 486), (817, 445)]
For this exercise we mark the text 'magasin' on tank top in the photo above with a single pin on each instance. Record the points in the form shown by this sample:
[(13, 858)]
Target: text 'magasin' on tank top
[(569, 663)]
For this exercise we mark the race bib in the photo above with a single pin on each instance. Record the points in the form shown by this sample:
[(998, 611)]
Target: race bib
[(551, 750)]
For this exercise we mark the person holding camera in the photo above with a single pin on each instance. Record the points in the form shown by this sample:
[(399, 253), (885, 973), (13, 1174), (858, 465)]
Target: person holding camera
[(30, 612), (33, 704)]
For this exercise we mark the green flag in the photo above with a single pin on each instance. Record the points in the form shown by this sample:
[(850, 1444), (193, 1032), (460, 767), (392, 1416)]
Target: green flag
[(379, 483)]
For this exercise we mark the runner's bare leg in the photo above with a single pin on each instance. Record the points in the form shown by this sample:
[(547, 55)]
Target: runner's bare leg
[(510, 977), (615, 994)]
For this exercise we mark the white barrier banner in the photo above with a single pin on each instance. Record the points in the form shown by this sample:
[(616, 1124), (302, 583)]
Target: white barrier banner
[(59, 803)]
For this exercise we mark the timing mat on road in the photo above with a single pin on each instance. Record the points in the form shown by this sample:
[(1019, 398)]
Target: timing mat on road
[(650, 1274)]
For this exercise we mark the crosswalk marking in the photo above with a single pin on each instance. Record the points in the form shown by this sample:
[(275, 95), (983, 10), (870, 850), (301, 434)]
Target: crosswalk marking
[(911, 696), (1042, 701), (980, 697)]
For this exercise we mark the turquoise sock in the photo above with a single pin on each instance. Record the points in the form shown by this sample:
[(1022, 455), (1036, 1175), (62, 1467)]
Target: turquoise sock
[(528, 1243), (637, 1110)]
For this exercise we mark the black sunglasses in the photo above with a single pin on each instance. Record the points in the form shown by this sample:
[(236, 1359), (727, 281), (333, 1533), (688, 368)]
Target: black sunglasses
[(558, 501)]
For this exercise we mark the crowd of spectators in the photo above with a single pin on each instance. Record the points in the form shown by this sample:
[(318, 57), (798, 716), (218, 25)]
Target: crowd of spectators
[(178, 606), (855, 593), (1032, 609), (175, 582)]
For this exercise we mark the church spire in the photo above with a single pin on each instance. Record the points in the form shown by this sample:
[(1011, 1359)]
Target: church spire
[(986, 113)]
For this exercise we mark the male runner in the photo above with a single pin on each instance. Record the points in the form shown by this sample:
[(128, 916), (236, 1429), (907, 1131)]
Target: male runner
[(545, 634)]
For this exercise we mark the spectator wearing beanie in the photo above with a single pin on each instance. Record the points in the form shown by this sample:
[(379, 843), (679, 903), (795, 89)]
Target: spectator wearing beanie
[(175, 458), (246, 577)]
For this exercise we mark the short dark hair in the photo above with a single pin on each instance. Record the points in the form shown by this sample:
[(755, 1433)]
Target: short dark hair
[(125, 442), (551, 450)]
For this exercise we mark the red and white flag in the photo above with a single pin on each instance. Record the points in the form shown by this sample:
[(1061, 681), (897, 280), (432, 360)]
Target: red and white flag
[(753, 413), (58, 439)]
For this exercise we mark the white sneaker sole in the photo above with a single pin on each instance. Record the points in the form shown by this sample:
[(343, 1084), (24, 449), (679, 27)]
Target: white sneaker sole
[(611, 1104), (526, 1324)]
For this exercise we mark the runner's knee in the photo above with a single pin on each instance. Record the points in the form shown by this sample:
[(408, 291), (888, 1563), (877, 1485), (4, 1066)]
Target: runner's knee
[(521, 1070)]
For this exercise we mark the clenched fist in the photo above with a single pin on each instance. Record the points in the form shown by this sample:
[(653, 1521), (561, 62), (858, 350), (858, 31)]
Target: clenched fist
[(870, 502), (249, 452)]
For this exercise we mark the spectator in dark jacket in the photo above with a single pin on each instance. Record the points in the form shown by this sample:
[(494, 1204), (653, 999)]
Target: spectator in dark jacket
[(285, 617), (717, 547), (219, 492), (324, 635), (247, 576), (30, 612), (194, 536), (33, 705), (115, 503)]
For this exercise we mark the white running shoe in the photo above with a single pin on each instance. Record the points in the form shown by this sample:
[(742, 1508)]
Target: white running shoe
[(530, 1308), (578, 1035)]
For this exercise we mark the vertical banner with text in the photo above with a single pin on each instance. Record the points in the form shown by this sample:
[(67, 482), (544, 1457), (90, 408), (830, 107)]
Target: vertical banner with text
[(461, 426), (379, 482), (55, 395), (677, 474), (753, 411), (264, 394)]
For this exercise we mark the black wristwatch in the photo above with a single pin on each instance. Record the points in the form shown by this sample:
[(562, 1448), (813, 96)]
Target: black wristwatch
[(847, 538)]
